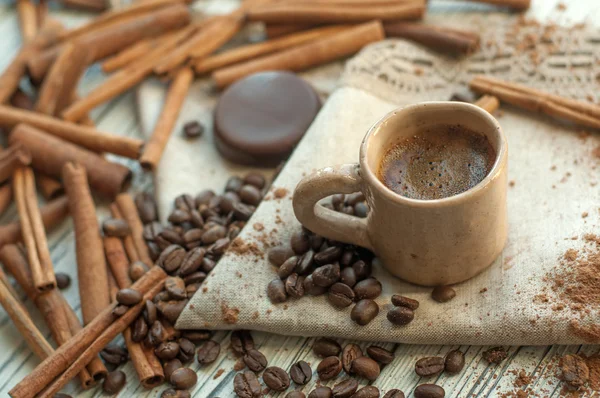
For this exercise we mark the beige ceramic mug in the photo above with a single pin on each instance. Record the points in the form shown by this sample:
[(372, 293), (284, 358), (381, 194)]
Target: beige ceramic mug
[(427, 242)]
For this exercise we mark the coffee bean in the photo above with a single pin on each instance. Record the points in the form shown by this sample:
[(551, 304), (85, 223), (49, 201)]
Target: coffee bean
[(329, 368), (288, 267), (295, 394), (234, 184), (243, 212), (301, 372), (170, 259), (208, 352), (139, 330), (196, 219), (146, 207), (345, 389), (192, 261), (326, 275), (367, 392), (156, 334), (183, 378), (279, 254), (179, 216), (171, 310), (250, 195), (137, 269), (246, 385), (193, 238), (442, 294), (316, 241), (255, 360), (348, 276), (196, 336), (369, 288), (395, 393), (364, 311), (149, 312), (380, 354), (300, 242), (204, 197), (255, 179), (324, 347), (429, 391), (114, 354), (321, 392), (175, 286), (166, 351), (120, 310), (185, 202), (361, 210), (219, 247), (349, 354), (495, 355), (276, 291), (151, 231), (186, 350), (454, 362), (63, 280), (173, 393), (402, 301), (294, 286), (305, 263), (170, 366), (193, 129), (328, 256), (241, 342), (116, 227), (429, 366), (400, 316), (161, 296), (208, 265), (213, 234), (171, 235), (311, 289), (365, 367), (276, 378), (361, 269), (340, 295), (114, 382)]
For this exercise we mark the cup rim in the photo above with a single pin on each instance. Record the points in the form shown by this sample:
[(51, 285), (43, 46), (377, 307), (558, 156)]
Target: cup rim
[(368, 174)]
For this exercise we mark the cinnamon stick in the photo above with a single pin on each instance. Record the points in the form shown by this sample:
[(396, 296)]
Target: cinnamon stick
[(50, 154), (105, 325), (117, 260), (86, 5), (52, 214), (250, 51), (519, 5), (128, 243), (49, 187), (113, 289), (41, 13), (318, 13), (5, 197), (273, 31), (84, 136), (111, 39), (488, 102), (91, 264), (438, 38), (34, 235), (307, 55), (11, 159), (128, 211), (166, 122), (27, 19), (128, 55)]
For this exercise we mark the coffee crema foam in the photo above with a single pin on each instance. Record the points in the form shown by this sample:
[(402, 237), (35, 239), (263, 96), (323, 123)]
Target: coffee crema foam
[(437, 162)]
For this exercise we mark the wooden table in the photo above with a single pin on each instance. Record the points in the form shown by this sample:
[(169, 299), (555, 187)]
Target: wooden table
[(119, 116)]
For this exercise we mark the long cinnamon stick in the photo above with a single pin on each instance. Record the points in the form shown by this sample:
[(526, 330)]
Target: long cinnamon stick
[(91, 264), (166, 122), (81, 135), (49, 187), (34, 235), (128, 55), (50, 154), (27, 19), (86, 5), (519, 5), (52, 214), (488, 102), (273, 31), (129, 212), (307, 55), (65, 355), (117, 260), (11, 159), (278, 13), (437, 38), (250, 51), (128, 243), (5, 197)]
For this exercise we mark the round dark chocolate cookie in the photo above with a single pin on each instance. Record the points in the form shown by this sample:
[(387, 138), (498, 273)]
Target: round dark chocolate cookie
[(260, 119)]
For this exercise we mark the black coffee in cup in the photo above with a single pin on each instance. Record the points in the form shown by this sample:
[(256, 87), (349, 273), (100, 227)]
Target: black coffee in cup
[(437, 162)]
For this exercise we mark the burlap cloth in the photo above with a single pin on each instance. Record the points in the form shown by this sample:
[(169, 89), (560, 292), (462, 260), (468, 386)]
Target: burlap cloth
[(551, 167)]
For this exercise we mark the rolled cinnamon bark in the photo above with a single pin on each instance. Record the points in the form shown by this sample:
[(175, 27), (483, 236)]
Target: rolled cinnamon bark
[(5, 197), (91, 264), (168, 117), (307, 55), (72, 351), (127, 55), (86, 5), (128, 243), (50, 154), (112, 39), (273, 31), (11, 159), (27, 19), (128, 211), (49, 187), (117, 260), (86, 137), (438, 38), (488, 102)]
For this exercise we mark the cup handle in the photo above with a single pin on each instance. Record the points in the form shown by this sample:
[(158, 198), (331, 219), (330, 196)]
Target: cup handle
[(323, 221)]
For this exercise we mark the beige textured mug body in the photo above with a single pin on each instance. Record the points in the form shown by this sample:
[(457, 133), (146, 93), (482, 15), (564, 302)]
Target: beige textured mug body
[(426, 242)]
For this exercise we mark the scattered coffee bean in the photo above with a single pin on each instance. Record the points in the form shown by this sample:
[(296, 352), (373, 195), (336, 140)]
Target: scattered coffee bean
[(276, 291), (137, 269), (329, 255), (295, 394), (329, 368), (311, 289), (300, 242), (349, 354), (63, 280), (294, 285), (156, 334), (400, 316), (369, 288), (429, 366), (429, 391), (194, 278), (324, 347), (288, 267), (114, 382), (364, 311), (402, 301), (366, 367), (326, 275), (116, 227), (234, 184), (276, 378), (250, 195), (495, 355), (183, 378), (348, 276), (305, 263), (345, 389), (316, 241), (301, 373), (114, 354), (186, 350), (193, 129), (171, 257), (120, 310), (380, 354), (139, 330), (208, 352), (173, 393), (574, 370), (179, 216), (256, 179), (246, 385), (146, 207), (279, 254), (192, 261), (255, 360), (395, 393), (170, 310), (361, 269), (170, 366), (340, 295), (367, 392), (167, 350), (196, 336), (204, 197), (442, 294), (321, 392), (150, 312), (175, 286), (241, 341), (454, 362)]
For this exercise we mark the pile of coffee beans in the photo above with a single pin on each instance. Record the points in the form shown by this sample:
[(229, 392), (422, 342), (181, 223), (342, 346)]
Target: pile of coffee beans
[(403, 311)]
